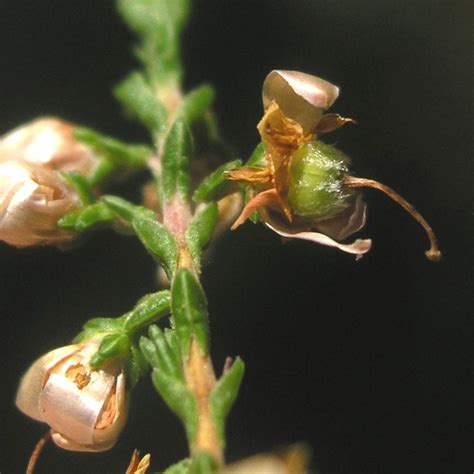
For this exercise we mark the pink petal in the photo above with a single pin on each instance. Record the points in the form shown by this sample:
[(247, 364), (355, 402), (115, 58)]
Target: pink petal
[(358, 247)]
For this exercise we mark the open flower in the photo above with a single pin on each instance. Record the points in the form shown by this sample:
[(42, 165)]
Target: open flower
[(301, 186), (297, 187), (32, 199), (47, 141), (85, 408)]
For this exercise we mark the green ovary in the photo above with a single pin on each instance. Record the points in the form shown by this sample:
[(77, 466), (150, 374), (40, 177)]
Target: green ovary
[(315, 187)]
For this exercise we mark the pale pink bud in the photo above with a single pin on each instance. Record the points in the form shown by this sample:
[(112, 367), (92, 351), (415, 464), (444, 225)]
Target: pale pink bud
[(47, 141), (32, 199), (293, 460), (301, 97), (85, 408)]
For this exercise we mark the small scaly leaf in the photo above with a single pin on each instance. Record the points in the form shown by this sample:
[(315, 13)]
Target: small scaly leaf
[(136, 95), (126, 210), (196, 103), (216, 186), (181, 467), (175, 177), (148, 310), (158, 241), (158, 24), (189, 309), (224, 393), (200, 230)]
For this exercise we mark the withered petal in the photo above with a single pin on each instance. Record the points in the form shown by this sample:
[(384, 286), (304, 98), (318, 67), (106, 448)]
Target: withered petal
[(262, 199), (27, 397), (358, 247), (347, 222), (302, 97)]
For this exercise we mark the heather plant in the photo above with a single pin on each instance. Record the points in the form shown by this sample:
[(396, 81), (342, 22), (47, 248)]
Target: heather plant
[(54, 178)]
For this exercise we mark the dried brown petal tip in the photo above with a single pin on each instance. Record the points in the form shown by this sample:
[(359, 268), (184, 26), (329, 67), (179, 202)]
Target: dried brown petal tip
[(301, 97), (137, 466)]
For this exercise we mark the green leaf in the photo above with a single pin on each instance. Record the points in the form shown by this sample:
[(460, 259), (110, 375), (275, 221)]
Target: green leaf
[(101, 171), (93, 215), (224, 393), (158, 241), (196, 103), (200, 230), (203, 463), (181, 467), (162, 355), (103, 324), (173, 343), (216, 186), (189, 309), (137, 365), (112, 346), (97, 327), (125, 210), (68, 221), (151, 353), (81, 185), (120, 152), (179, 400), (112, 154), (257, 157), (148, 310), (137, 96), (158, 24), (87, 217), (143, 16), (175, 177)]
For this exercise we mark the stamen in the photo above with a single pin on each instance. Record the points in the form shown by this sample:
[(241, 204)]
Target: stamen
[(36, 452), (433, 253)]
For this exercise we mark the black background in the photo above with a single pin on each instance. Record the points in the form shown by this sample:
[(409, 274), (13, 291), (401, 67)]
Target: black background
[(367, 362)]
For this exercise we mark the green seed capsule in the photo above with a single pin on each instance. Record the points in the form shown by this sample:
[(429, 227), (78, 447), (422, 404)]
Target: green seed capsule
[(315, 188)]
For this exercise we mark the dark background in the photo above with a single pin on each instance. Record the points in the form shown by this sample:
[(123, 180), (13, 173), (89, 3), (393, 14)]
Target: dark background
[(367, 362)]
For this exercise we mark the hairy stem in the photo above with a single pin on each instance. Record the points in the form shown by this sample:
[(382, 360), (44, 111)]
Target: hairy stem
[(200, 379), (198, 369)]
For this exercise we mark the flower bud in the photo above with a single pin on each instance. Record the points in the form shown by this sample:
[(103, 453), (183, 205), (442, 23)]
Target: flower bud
[(85, 408), (32, 199), (293, 460), (316, 189), (47, 141), (301, 97)]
